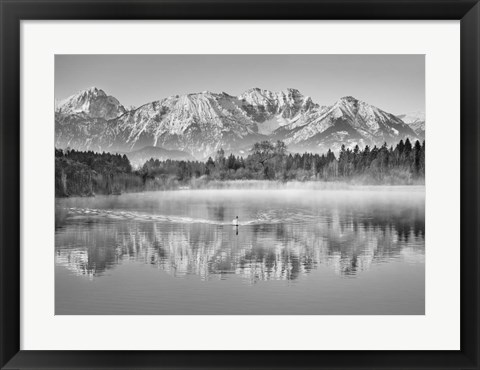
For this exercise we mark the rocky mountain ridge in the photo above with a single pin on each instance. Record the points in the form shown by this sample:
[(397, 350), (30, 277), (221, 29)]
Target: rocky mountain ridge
[(201, 123)]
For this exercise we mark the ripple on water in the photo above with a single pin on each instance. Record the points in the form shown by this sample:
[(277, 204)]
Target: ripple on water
[(261, 217)]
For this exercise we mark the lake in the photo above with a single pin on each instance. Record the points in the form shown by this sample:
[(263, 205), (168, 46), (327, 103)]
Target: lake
[(314, 251)]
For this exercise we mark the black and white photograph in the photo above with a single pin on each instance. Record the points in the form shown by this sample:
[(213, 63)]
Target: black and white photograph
[(240, 184)]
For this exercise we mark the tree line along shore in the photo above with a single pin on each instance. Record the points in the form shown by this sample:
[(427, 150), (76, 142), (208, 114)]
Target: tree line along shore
[(86, 173)]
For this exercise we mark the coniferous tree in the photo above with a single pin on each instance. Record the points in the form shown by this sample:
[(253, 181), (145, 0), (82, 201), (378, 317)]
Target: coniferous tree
[(85, 173)]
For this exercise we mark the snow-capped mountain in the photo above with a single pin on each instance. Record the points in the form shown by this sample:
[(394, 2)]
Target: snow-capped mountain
[(416, 120), (199, 123), (349, 121), (202, 123), (91, 103), (272, 110)]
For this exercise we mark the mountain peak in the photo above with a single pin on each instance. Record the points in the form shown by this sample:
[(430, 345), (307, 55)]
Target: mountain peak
[(416, 120), (92, 102), (293, 93), (349, 99), (292, 90), (414, 116), (255, 90), (289, 90), (93, 91)]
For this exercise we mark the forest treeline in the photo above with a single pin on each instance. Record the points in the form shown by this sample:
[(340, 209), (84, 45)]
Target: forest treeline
[(89, 173)]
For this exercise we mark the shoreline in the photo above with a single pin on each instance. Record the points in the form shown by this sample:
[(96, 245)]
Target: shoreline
[(266, 185)]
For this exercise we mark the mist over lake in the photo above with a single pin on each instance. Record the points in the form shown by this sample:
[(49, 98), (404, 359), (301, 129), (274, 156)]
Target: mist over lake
[(297, 250)]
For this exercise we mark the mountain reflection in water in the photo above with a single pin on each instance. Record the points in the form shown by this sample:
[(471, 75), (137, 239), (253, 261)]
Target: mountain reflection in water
[(283, 241)]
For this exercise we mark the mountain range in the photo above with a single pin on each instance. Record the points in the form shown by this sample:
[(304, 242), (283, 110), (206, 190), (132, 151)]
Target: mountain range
[(197, 125)]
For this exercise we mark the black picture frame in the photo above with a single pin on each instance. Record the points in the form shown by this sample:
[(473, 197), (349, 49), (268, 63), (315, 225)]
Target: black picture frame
[(13, 11)]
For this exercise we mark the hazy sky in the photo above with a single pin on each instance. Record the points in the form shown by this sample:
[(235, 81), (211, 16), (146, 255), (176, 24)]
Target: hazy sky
[(395, 83)]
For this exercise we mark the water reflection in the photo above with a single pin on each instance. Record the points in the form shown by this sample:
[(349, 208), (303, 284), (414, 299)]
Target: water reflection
[(348, 239)]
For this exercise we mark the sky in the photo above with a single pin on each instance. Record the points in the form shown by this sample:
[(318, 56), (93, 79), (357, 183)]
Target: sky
[(394, 83)]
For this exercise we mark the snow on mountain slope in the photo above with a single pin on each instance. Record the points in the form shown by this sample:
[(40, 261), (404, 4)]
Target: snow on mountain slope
[(93, 103), (349, 121), (199, 123), (410, 117), (202, 123), (272, 110), (416, 120)]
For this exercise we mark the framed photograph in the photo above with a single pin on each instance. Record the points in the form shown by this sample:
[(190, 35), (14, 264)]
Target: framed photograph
[(203, 184)]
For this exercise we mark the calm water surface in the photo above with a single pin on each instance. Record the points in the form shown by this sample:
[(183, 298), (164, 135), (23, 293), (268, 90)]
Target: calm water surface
[(304, 251)]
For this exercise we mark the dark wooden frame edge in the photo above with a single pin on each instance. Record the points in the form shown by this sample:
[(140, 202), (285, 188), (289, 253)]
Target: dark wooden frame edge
[(12, 12)]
